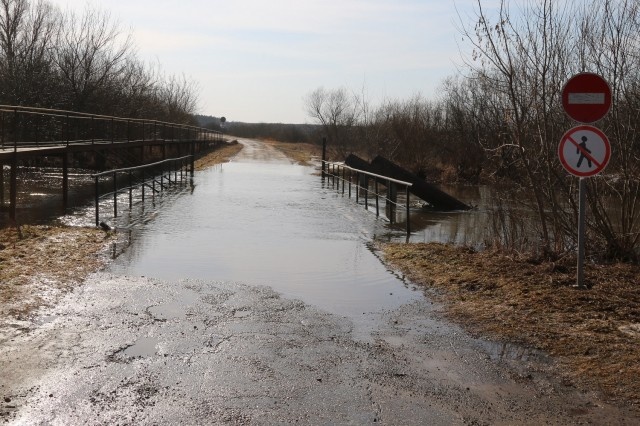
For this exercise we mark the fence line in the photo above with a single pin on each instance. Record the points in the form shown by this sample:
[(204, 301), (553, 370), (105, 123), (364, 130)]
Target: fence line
[(338, 172), (36, 127), (179, 164)]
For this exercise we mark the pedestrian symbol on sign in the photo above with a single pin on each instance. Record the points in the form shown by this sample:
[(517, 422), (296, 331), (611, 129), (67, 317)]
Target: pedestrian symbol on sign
[(582, 149)]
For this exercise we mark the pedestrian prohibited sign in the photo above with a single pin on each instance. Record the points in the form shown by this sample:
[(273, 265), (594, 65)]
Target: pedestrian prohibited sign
[(584, 151)]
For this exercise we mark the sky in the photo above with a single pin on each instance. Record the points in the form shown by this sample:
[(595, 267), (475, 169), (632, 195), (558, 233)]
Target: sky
[(256, 60)]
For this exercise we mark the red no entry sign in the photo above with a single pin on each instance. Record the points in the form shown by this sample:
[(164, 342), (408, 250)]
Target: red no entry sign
[(586, 97), (584, 151)]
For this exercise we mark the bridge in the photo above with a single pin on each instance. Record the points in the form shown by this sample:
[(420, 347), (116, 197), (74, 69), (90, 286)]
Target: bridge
[(64, 139)]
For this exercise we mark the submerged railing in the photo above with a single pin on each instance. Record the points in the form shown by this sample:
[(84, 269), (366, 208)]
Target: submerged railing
[(161, 171), (339, 173)]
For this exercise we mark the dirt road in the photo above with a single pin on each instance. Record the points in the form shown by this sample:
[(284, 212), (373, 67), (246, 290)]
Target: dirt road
[(126, 349)]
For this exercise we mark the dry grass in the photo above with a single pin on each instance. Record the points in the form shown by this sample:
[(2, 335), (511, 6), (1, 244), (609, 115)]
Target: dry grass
[(40, 263), (594, 334), (219, 155), (301, 153)]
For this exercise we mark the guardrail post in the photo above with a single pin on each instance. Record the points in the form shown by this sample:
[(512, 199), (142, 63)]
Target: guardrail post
[(324, 155), (343, 173), (408, 213), (377, 202), (115, 195), (144, 183), (65, 180), (97, 202), (357, 187), (349, 183), (67, 129), (130, 191), (366, 192)]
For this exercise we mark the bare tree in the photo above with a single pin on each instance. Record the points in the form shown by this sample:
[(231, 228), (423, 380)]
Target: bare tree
[(27, 35), (90, 53), (336, 111)]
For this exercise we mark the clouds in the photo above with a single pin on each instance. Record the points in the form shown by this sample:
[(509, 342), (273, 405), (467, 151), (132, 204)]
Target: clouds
[(282, 49)]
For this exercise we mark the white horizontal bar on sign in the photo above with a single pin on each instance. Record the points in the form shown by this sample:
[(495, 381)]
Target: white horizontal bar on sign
[(586, 98)]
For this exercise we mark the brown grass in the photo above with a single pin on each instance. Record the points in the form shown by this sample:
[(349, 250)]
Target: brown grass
[(219, 155), (594, 334), (301, 153), (45, 262)]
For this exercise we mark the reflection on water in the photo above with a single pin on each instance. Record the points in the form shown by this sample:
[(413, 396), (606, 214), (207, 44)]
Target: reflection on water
[(39, 194), (268, 224)]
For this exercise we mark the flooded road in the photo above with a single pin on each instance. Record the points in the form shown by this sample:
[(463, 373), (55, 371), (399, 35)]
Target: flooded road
[(263, 221), (255, 299)]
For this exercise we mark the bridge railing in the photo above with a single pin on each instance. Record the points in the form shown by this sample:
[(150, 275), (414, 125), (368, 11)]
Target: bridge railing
[(38, 127), (340, 173), (153, 176)]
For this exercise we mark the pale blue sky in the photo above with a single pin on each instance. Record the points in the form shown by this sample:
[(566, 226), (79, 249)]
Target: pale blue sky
[(255, 60)]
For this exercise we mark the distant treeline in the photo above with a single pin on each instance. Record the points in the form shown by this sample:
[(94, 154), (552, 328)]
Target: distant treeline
[(293, 133), (85, 63)]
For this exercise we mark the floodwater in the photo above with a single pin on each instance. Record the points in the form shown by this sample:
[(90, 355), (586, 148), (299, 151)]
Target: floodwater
[(261, 220)]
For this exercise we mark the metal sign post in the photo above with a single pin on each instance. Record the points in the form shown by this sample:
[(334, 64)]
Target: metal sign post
[(584, 151)]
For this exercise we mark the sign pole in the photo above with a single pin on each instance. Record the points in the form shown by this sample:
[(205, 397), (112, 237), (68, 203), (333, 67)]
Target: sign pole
[(584, 150), (581, 230)]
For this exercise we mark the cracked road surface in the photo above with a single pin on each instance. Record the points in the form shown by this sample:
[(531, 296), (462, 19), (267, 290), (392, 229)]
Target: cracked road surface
[(130, 349)]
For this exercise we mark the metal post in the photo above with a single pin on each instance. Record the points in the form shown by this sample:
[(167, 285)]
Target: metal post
[(130, 191), (97, 202), (349, 183), (377, 202), (65, 180), (67, 128), (408, 212), (115, 196), (1, 186), (13, 186), (581, 229), (357, 187), (366, 192), (343, 173), (143, 185), (324, 155)]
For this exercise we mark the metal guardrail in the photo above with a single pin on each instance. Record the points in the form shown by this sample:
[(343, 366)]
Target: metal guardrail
[(149, 181), (341, 173), (38, 127)]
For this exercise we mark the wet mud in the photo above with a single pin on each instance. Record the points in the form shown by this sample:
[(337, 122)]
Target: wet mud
[(124, 350)]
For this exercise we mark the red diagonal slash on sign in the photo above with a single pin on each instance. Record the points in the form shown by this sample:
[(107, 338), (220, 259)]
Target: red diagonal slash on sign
[(584, 151), (599, 144)]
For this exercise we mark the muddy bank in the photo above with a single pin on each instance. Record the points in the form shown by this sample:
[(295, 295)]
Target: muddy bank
[(593, 333)]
